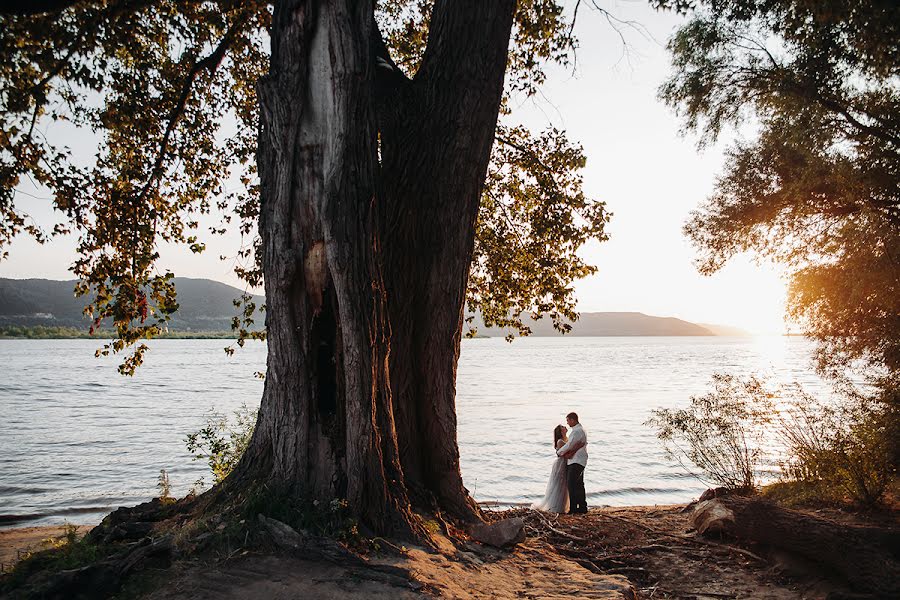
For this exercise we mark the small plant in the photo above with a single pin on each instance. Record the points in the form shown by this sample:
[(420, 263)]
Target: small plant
[(197, 487), (722, 433), (222, 443), (339, 522), (432, 526), (165, 488), (69, 536), (70, 533)]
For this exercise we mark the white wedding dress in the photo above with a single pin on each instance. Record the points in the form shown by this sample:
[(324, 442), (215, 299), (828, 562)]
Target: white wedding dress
[(556, 499)]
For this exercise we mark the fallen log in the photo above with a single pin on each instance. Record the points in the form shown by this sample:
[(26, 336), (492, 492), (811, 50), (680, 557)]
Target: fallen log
[(866, 558)]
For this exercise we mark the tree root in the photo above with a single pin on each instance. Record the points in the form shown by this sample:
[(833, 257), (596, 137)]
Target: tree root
[(156, 533)]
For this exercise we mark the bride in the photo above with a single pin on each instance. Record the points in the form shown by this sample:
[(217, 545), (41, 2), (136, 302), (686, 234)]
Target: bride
[(556, 499)]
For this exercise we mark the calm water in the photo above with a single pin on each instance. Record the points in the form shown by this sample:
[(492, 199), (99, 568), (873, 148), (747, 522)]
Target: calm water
[(78, 440)]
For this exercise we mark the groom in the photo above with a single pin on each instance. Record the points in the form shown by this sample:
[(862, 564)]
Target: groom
[(575, 452)]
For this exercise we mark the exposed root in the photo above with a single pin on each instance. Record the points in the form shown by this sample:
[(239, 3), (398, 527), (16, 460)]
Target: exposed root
[(157, 533)]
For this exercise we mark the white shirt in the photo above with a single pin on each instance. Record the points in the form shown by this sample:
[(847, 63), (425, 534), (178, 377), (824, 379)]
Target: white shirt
[(578, 442)]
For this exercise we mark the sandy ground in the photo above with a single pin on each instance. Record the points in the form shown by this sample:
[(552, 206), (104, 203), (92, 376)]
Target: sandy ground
[(16, 542), (274, 578), (609, 554), (531, 571), (525, 573)]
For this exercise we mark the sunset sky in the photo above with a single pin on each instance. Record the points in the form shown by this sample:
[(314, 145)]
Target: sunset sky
[(648, 174)]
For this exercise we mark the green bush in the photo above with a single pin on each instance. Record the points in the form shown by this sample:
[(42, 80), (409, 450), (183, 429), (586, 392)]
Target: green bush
[(222, 443), (723, 433), (802, 494)]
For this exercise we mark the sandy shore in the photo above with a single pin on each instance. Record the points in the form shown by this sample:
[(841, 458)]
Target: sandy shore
[(19, 541)]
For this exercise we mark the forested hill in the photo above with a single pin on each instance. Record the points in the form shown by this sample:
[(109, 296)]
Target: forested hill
[(206, 305)]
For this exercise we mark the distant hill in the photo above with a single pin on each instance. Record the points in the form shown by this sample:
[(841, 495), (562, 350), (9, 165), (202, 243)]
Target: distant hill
[(609, 324), (206, 305)]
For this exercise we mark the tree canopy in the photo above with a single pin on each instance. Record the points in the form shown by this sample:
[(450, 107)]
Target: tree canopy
[(167, 89), (816, 186)]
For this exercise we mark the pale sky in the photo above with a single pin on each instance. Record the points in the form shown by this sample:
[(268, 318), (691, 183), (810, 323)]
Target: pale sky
[(650, 177)]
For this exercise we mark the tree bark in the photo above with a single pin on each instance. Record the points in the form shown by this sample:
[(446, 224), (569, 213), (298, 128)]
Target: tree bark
[(365, 263), (325, 428), (435, 148)]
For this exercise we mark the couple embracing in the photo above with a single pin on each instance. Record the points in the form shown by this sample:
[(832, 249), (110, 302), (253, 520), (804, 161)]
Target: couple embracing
[(565, 490)]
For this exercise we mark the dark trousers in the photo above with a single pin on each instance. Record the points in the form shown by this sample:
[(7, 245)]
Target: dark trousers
[(575, 481)]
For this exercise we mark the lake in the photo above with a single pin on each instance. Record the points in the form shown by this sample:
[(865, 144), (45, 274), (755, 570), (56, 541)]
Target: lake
[(78, 440)]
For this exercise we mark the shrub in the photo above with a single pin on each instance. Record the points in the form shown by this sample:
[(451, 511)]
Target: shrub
[(222, 443), (848, 445), (722, 432), (845, 447), (69, 536), (802, 494)]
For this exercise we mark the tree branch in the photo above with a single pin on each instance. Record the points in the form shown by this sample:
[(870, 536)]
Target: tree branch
[(508, 142), (209, 63), (878, 132), (83, 32), (537, 159)]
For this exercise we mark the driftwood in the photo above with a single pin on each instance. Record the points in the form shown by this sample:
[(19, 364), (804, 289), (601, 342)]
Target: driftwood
[(864, 557)]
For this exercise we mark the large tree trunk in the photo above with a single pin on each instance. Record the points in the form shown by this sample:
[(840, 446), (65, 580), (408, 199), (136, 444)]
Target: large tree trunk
[(346, 250), (325, 428), (435, 147)]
